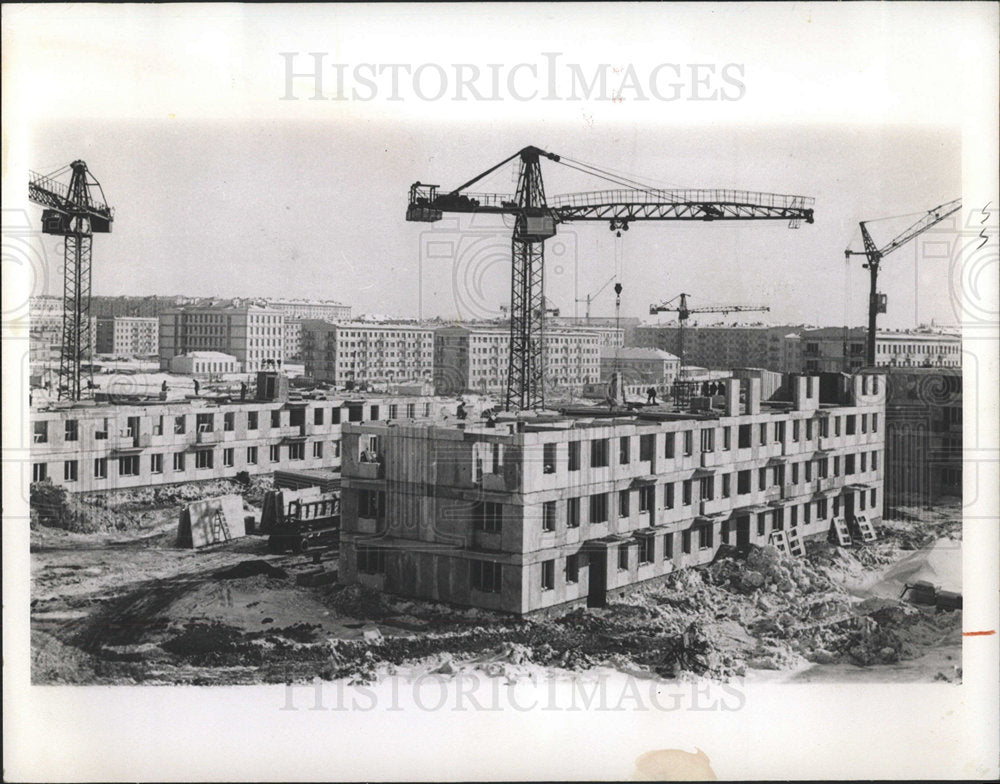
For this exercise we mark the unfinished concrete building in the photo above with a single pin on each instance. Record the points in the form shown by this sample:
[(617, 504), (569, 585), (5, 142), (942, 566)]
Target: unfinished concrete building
[(89, 447), (547, 512)]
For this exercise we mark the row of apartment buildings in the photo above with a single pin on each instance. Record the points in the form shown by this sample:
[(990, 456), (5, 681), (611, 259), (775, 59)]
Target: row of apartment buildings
[(132, 326), (94, 447), (789, 349), (544, 513)]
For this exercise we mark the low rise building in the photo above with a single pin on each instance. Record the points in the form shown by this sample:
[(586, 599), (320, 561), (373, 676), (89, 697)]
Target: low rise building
[(648, 366), (205, 364), (544, 513), (88, 447), (362, 353)]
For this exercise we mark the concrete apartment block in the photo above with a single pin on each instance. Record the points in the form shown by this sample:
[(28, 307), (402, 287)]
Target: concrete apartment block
[(252, 334), (367, 353), (88, 447), (549, 512), (128, 336), (835, 349)]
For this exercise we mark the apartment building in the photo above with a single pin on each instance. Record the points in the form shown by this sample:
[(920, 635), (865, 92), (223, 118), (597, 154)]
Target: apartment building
[(321, 309), (92, 447), (474, 358), (918, 349), (128, 336), (293, 339), (841, 349), (719, 347), (367, 353), (548, 512), (612, 327), (251, 333), (45, 323)]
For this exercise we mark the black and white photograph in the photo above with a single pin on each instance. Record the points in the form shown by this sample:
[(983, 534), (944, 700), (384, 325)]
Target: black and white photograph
[(421, 392)]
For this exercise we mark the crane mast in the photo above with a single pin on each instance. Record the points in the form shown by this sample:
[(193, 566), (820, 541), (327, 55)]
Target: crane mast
[(536, 219), (874, 255), (76, 213)]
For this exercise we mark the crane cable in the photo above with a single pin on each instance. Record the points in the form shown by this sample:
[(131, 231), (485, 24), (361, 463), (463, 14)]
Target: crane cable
[(619, 263)]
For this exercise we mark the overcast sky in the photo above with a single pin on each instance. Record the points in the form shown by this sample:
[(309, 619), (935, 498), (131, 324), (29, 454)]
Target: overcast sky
[(317, 210)]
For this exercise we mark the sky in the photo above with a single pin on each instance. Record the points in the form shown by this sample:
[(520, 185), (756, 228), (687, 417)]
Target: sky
[(310, 209)]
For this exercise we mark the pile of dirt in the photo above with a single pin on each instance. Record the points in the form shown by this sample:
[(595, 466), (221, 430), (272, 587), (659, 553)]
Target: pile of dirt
[(130, 509), (251, 569), (891, 632), (53, 507), (252, 490)]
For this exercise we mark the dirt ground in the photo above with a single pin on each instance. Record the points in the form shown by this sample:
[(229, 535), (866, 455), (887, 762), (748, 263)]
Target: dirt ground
[(126, 605)]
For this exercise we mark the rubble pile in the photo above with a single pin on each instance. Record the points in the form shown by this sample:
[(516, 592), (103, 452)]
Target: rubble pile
[(129, 509)]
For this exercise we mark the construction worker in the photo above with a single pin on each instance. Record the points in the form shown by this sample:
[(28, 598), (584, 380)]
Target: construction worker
[(651, 396)]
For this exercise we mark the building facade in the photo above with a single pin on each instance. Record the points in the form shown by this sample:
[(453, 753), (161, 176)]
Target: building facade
[(321, 309), (546, 513), (367, 353), (128, 336), (93, 447), (45, 322), (293, 339), (474, 359), (842, 350), (252, 334), (640, 366), (719, 347), (923, 446), (205, 364), (625, 326)]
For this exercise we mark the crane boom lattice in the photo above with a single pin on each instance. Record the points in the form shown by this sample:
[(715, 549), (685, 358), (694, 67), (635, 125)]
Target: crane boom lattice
[(536, 219)]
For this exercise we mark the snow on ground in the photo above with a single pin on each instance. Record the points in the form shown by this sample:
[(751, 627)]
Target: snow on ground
[(126, 605)]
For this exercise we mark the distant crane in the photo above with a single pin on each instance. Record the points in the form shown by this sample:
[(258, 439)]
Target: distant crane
[(876, 300), (683, 311), (593, 296), (75, 211), (535, 220)]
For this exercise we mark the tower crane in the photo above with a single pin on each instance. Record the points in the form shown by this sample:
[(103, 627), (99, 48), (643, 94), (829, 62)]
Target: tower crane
[(874, 255), (683, 311), (536, 218), (75, 211)]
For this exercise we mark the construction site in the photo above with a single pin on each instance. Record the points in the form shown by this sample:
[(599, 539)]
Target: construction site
[(657, 519)]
